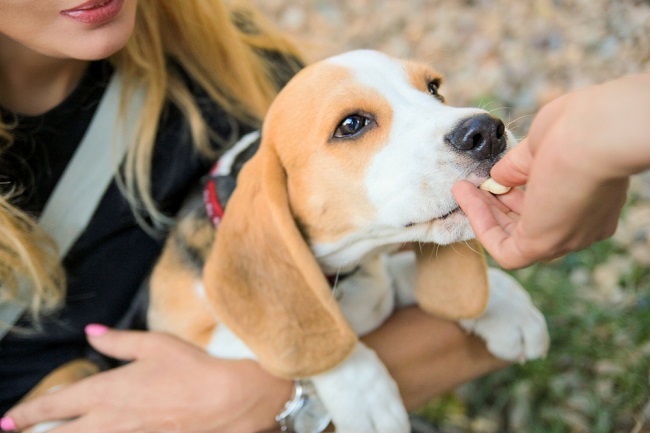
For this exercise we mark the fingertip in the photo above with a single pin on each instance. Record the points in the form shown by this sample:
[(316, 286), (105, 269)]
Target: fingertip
[(463, 184), (95, 330), (125, 345), (501, 168), (512, 170), (7, 424), (462, 189)]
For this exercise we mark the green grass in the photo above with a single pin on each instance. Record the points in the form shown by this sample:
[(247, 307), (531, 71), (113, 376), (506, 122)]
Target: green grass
[(596, 376)]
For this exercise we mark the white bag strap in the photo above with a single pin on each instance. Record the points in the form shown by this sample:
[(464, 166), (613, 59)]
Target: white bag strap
[(76, 196)]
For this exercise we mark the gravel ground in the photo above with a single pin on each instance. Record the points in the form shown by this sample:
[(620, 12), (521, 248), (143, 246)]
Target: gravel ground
[(511, 57)]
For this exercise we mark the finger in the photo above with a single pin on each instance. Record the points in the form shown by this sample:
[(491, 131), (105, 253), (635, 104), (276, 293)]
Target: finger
[(475, 201), (492, 222), (503, 247), (513, 168), (100, 421), (464, 192), (69, 402), (513, 200), (123, 345)]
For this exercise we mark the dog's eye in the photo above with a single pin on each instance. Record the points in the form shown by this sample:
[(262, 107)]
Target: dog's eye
[(434, 86), (351, 126)]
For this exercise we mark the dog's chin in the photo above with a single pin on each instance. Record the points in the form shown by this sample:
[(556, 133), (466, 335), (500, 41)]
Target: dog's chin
[(453, 227)]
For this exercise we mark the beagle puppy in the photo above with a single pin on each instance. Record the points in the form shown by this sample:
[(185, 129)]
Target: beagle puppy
[(358, 155)]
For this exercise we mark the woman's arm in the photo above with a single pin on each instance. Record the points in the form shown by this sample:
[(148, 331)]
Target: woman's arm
[(428, 356), (175, 387)]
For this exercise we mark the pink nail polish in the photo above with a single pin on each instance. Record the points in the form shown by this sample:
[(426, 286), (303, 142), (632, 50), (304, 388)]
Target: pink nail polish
[(95, 330), (7, 424)]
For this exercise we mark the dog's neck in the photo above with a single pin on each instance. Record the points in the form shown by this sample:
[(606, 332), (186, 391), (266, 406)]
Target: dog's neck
[(335, 258)]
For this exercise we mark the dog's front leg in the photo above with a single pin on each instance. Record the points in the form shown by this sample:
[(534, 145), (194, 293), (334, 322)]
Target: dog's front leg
[(361, 396), (512, 327)]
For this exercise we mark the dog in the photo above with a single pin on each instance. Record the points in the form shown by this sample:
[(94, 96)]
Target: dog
[(357, 158), (358, 155)]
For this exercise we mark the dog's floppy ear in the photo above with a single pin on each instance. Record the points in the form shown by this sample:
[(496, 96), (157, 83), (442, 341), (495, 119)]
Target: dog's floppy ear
[(451, 280), (264, 283)]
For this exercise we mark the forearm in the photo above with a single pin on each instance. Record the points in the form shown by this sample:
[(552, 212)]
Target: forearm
[(631, 96), (603, 127), (428, 356)]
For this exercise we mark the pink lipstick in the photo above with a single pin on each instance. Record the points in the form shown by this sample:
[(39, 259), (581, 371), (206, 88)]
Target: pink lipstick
[(94, 11)]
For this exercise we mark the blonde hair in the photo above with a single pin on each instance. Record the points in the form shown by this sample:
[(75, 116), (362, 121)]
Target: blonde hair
[(222, 48)]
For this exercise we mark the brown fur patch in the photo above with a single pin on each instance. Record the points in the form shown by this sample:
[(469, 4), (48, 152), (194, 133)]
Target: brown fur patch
[(420, 75), (175, 306), (452, 280), (326, 181)]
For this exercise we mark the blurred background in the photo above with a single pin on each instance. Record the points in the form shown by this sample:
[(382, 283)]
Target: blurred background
[(510, 57)]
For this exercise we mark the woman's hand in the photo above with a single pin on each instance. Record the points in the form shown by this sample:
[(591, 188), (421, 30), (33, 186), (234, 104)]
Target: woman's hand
[(576, 164), (170, 386)]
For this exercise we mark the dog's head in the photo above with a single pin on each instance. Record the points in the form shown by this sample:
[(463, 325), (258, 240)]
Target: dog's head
[(359, 153), (372, 151)]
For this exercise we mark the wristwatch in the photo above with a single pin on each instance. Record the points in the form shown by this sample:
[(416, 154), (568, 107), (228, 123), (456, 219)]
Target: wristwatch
[(304, 413)]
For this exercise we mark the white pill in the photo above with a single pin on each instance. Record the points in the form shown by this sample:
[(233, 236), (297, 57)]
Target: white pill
[(494, 187)]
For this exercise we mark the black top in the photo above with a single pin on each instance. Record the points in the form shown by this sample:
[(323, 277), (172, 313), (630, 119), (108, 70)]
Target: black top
[(109, 261)]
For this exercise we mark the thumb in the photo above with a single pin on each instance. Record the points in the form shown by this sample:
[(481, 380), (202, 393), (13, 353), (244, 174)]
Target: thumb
[(122, 345), (514, 167)]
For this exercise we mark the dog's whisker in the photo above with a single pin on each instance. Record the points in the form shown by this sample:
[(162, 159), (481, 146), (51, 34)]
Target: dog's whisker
[(471, 247), (485, 103), (436, 250), (336, 291), (497, 109), (512, 122)]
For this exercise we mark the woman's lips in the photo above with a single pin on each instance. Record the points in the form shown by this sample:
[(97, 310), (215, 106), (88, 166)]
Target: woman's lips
[(94, 11)]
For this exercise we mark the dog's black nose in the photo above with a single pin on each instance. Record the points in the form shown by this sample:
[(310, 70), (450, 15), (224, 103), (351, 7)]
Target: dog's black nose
[(482, 136)]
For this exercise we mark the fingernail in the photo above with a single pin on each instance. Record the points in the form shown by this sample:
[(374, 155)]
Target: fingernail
[(7, 424), (95, 330)]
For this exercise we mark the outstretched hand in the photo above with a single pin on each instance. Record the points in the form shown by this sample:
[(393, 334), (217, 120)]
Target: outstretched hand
[(576, 164), (520, 228)]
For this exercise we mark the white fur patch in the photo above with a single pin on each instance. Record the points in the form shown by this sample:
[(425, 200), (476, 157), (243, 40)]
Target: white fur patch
[(366, 297), (361, 396), (513, 328), (225, 344), (228, 158)]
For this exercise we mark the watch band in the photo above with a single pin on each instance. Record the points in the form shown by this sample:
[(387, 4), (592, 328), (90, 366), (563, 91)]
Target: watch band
[(304, 412)]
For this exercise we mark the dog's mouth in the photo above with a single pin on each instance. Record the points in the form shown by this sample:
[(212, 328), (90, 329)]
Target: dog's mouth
[(443, 217)]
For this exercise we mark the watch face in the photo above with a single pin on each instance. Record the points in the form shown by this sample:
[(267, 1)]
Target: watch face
[(311, 418)]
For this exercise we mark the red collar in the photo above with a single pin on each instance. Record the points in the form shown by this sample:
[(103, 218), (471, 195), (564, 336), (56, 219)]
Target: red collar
[(213, 206)]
